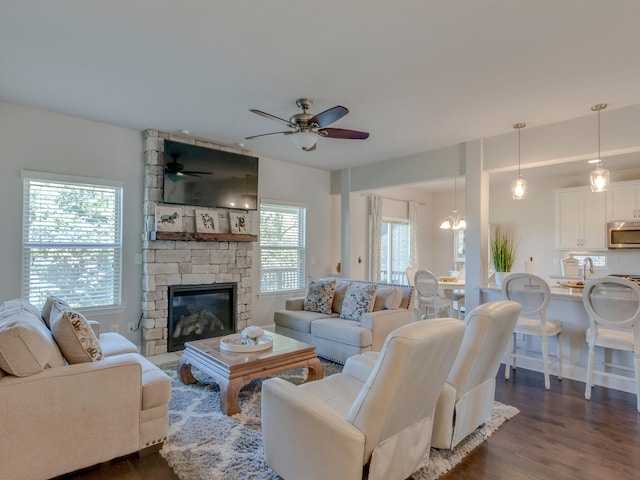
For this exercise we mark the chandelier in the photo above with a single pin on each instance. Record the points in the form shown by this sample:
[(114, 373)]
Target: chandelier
[(455, 221)]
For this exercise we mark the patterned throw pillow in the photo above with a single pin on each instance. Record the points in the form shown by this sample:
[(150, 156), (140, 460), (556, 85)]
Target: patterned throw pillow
[(320, 295), (358, 300), (75, 337)]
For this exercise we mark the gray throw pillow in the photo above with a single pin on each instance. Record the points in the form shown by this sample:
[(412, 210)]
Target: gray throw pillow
[(358, 299), (320, 295)]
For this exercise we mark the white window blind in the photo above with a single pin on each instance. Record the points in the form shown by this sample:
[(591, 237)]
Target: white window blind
[(282, 247), (72, 241)]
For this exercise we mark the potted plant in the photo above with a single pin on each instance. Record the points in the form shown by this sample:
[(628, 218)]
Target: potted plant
[(503, 252)]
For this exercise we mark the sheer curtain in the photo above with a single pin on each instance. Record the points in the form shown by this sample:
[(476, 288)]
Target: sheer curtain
[(376, 233), (413, 234)]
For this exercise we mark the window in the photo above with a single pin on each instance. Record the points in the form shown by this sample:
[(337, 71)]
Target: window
[(72, 241), (282, 247), (394, 251)]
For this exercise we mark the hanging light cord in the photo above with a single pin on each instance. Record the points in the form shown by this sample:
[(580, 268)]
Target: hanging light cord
[(599, 156), (519, 130)]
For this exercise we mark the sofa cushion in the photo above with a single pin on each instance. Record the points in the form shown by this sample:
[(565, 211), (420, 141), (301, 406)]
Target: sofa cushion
[(348, 332), (320, 295), (112, 344), (387, 298), (20, 303), (299, 320), (46, 308), (74, 336), (338, 296), (358, 299), (26, 345)]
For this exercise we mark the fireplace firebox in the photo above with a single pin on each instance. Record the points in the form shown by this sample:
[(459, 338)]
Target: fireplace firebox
[(200, 311)]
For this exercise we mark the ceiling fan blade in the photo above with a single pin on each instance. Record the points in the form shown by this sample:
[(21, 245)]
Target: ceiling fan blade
[(265, 134), (343, 133), (310, 149), (327, 117), (273, 117)]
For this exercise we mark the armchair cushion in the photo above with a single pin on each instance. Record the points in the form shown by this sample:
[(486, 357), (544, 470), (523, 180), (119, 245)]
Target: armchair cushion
[(320, 295), (26, 345), (358, 299)]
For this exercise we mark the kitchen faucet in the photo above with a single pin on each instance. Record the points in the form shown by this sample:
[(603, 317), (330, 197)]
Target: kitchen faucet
[(584, 268)]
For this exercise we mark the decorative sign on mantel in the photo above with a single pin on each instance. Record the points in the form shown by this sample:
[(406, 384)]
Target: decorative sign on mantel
[(169, 218)]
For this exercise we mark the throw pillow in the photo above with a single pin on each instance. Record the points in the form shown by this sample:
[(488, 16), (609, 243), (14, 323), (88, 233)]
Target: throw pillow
[(358, 299), (338, 297), (387, 298), (75, 337), (320, 295), (46, 308)]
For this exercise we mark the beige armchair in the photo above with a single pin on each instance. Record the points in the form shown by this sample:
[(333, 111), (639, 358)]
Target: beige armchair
[(376, 415), (467, 397)]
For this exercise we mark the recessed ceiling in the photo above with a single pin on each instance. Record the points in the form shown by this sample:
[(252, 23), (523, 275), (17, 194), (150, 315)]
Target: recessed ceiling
[(416, 75)]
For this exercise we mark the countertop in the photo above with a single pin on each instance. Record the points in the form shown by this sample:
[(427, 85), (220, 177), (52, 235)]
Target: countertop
[(558, 292)]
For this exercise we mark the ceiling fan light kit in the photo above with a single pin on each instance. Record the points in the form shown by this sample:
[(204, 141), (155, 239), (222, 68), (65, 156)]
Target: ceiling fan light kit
[(307, 128)]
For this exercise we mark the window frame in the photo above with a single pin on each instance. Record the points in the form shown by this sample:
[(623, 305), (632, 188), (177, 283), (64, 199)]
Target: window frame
[(301, 248), (113, 248)]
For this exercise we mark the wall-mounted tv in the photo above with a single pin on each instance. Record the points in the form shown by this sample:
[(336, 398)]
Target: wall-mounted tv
[(207, 177)]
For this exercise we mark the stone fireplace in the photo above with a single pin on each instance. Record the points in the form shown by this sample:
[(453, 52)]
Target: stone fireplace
[(185, 258)]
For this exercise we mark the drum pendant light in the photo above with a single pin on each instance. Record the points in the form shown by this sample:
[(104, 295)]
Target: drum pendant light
[(599, 178), (519, 185)]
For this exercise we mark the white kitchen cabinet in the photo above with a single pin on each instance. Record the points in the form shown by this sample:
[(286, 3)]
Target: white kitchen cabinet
[(623, 201), (580, 219)]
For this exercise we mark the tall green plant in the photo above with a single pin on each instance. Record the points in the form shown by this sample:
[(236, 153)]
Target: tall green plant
[(503, 249)]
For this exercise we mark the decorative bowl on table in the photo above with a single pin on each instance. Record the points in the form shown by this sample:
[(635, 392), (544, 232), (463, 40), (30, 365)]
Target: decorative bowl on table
[(571, 284), (237, 343), (447, 278)]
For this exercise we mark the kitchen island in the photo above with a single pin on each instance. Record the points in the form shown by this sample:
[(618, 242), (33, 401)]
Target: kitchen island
[(566, 305)]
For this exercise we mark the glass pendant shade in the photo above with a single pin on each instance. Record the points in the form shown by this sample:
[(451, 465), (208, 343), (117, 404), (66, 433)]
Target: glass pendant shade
[(446, 224), (599, 179), (519, 188), (304, 140)]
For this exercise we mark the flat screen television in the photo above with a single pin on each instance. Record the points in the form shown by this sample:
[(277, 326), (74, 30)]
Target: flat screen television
[(200, 176)]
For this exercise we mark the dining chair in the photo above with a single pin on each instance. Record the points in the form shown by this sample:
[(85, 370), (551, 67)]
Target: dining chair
[(534, 294), (411, 272), (613, 306), (429, 298)]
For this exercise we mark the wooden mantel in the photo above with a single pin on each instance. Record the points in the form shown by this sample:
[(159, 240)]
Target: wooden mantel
[(203, 237)]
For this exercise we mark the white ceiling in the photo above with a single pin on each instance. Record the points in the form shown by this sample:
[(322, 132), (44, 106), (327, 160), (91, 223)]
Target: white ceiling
[(417, 75)]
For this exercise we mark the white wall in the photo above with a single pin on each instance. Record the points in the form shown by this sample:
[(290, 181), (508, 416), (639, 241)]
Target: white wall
[(310, 187), (38, 140)]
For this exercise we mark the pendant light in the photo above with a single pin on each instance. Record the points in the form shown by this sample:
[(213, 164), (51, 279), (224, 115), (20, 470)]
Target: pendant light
[(519, 185), (599, 177), (455, 221)]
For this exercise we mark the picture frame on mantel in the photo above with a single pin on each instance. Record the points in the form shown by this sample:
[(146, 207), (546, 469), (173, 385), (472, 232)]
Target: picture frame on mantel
[(207, 221), (239, 223), (169, 218)]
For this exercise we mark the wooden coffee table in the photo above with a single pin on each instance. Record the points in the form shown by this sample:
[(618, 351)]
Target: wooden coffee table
[(233, 370)]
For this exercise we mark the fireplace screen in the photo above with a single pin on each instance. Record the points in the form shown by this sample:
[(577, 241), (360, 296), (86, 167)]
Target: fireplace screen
[(200, 311)]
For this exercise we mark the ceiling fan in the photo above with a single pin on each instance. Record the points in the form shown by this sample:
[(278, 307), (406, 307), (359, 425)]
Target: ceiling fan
[(175, 170), (307, 128)]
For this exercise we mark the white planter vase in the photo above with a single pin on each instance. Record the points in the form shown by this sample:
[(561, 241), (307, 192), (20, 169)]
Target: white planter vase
[(498, 277)]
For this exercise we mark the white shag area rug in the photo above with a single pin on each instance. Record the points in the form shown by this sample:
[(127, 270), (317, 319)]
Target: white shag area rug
[(205, 444)]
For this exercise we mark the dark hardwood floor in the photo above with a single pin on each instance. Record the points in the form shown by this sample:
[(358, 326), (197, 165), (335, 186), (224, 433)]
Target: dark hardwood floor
[(558, 435)]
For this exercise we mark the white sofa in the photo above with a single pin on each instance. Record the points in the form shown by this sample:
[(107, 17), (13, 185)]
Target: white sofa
[(338, 339), (57, 417)]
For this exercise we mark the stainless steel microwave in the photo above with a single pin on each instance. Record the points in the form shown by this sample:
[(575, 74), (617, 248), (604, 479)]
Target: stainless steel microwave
[(623, 235)]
